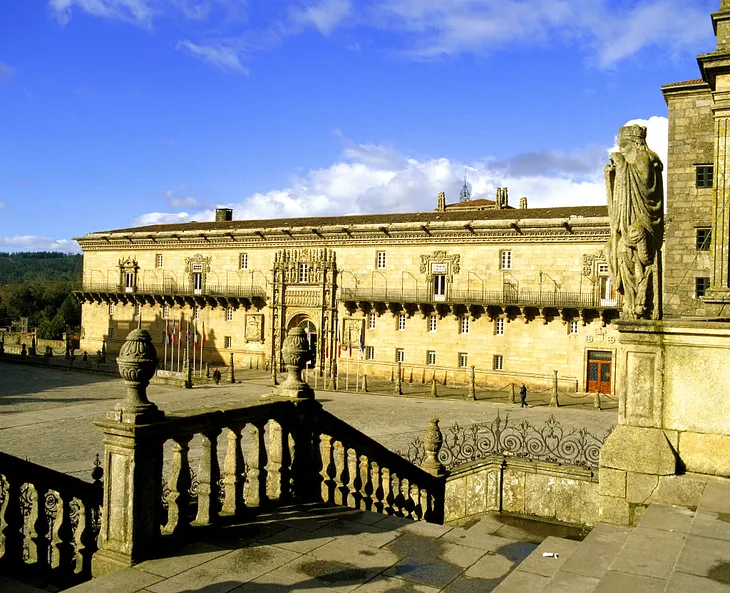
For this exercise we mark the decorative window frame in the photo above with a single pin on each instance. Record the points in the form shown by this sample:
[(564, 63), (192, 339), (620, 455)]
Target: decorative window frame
[(450, 264), (126, 266), (191, 263)]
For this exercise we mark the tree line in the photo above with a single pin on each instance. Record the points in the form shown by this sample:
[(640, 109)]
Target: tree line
[(39, 286)]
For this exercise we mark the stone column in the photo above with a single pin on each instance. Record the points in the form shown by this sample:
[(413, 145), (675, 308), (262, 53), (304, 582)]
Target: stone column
[(472, 385), (233, 376), (130, 518), (554, 401), (398, 387), (296, 352)]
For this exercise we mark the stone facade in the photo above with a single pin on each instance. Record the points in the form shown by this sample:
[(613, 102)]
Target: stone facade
[(520, 284)]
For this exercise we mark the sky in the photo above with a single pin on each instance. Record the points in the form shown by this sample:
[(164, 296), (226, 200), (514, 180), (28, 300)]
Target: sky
[(117, 113)]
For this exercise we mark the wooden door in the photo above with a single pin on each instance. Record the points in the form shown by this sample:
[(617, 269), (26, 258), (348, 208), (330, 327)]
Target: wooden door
[(599, 371)]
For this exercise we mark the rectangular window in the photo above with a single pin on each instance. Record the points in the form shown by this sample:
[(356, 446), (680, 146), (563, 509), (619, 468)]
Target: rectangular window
[(244, 261), (110, 333), (505, 260), (197, 313), (229, 314), (573, 327), (139, 310), (465, 324), (381, 260), (198, 282), (158, 260), (463, 360), (701, 286), (499, 326), (369, 353), (400, 355), (704, 236), (432, 323), (111, 308), (227, 342), (498, 362), (303, 273), (704, 175), (402, 322), (371, 321), (129, 281), (431, 357), (166, 312), (602, 268), (439, 287)]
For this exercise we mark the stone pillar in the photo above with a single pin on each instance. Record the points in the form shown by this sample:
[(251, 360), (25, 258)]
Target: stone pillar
[(472, 385), (187, 374), (432, 442), (434, 390), (554, 402), (67, 342), (233, 376), (398, 387), (130, 521), (364, 383), (597, 400), (512, 394), (296, 352)]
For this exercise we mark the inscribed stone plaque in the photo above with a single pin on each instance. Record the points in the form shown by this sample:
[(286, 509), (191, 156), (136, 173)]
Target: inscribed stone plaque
[(254, 327)]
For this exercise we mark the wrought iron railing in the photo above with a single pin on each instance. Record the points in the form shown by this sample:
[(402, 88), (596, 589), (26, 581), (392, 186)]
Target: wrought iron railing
[(49, 521), (508, 296), (241, 291), (502, 436)]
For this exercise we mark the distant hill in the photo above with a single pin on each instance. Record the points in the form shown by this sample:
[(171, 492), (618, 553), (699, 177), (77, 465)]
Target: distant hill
[(41, 266)]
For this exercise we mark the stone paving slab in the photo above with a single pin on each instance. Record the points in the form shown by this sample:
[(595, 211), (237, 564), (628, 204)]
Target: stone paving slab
[(536, 563), (650, 553), (705, 557), (667, 518), (565, 582), (688, 583), (597, 551), (620, 582), (713, 525)]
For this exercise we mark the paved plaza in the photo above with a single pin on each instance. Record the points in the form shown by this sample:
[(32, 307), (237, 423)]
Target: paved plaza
[(47, 414)]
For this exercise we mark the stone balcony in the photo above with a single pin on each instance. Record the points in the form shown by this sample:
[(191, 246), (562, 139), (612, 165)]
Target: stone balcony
[(170, 293), (511, 302)]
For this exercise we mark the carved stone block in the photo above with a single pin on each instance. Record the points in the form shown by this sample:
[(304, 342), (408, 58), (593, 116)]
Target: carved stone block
[(254, 327)]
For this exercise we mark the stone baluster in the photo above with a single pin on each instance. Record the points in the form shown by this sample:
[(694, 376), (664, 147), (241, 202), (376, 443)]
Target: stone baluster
[(378, 495), (277, 482), (178, 500), (415, 502), (366, 487), (38, 527), (256, 481), (353, 498), (62, 550), (208, 476), (11, 524), (406, 504), (233, 468), (329, 470), (396, 497), (425, 505), (84, 539), (341, 475), (386, 481)]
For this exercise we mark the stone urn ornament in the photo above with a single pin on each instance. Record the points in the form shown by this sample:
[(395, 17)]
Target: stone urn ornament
[(137, 363), (433, 440), (295, 352)]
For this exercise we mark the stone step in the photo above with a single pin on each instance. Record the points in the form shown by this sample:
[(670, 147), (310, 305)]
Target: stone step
[(13, 586)]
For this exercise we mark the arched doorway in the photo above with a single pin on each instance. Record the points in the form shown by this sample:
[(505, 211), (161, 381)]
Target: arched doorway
[(310, 331)]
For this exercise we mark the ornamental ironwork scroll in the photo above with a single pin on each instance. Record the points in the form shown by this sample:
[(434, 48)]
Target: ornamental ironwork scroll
[(549, 442)]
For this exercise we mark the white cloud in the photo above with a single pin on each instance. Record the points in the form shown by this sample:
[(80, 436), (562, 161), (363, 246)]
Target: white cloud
[(6, 72), (134, 11), (325, 15), (372, 178), (35, 243), (222, 56), (180, 202)]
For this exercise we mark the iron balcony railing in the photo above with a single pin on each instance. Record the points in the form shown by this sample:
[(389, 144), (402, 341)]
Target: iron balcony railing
[(170, 288), (507, 296)]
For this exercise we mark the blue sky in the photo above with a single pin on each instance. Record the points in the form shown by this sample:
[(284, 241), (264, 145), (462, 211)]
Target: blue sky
[(122, 112)]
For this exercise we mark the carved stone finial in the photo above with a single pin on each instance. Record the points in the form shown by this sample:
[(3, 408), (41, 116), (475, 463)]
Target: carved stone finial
[(137, 363), (432, 442), (295, 352)]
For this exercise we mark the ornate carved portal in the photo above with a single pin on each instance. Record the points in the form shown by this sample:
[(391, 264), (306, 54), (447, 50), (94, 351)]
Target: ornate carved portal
[(128, 269), (439, 269), (304, 281), (197, 268)]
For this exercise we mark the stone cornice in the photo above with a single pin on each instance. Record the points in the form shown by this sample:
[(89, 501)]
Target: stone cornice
[(568, 230)]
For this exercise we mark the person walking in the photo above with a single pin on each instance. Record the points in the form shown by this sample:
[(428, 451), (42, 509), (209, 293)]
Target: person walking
[(217, 376), (523, 396)]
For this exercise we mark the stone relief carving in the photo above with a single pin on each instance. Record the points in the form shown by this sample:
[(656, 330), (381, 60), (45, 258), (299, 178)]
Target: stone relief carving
[(635, 197), (254, 330), (450, 264), (287, 265), (198, 264), (590, 260), (352, 330)]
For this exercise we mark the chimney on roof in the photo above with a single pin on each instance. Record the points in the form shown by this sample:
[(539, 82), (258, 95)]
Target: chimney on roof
[(441, 203), (523, 203), (223, 214), (501, 200)]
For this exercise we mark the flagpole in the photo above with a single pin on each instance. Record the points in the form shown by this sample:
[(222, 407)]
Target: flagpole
[(202, 344), (179, 342), (167, 328), (195, 342), (347, 375)]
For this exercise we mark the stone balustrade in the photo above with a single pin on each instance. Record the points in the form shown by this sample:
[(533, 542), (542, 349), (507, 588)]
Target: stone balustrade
[(48, 521)]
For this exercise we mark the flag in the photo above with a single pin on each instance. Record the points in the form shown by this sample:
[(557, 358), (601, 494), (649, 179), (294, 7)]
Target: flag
[(362, 346), (187, 332), (167, 332), (202, 338), (195, 334)]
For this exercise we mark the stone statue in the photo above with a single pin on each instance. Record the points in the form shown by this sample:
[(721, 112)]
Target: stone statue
[(636, 210)]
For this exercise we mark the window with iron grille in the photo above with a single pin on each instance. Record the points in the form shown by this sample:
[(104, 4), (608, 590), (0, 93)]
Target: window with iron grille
[(229, 314), (701, 286), (703, 238), (463, 360), (381, 260), (431, 357), (432, 323), (244, 261), (499, 326), (465, 322), (401, 322), (371, 321), (498, 362), (400, 355), (704, 175)]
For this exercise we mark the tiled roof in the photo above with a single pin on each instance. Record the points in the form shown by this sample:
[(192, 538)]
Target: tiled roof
[(480, 203), (684, 83), (383, 219)]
